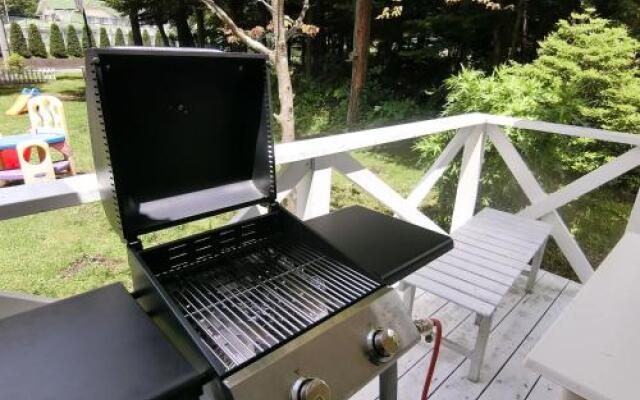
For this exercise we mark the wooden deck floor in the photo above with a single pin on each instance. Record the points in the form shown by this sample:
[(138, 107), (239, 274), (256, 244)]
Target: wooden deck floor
[(517, 325)]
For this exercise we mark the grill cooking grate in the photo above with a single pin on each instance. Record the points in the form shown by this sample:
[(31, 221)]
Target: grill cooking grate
[(245, 304)]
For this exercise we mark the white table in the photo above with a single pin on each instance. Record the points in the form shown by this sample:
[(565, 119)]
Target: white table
[(593, 349)]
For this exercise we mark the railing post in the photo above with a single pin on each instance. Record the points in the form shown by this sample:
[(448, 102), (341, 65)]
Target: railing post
[(469, 182), (313, 193)]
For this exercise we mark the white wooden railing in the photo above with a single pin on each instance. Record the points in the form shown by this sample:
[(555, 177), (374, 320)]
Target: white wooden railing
[(306, 166)]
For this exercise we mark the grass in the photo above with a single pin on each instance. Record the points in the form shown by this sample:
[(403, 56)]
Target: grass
[(68, 251)]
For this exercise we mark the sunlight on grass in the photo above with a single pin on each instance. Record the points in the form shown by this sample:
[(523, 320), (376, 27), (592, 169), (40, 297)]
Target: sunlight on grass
[(64, 252)]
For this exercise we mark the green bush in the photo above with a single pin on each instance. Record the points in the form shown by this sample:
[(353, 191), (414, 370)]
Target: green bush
[(146, 38), (18, 42), (130, 39), (56, 43), (86, 34), (104, 38), (158, 40), (119, 41), (15, 62), (585, 74), (36, 45), (73, 43)]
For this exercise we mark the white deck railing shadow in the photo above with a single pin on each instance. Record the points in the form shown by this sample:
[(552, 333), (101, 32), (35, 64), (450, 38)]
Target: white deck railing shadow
[(306, 166)]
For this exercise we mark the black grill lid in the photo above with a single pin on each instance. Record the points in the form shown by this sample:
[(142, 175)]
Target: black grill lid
[(178, 135)]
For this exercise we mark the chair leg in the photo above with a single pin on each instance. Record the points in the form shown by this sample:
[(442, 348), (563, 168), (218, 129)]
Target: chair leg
[(477, 357), (536, 262), (408, 295)]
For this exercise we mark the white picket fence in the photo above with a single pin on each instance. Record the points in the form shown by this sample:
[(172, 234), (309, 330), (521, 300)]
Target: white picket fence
[(27, 76), (307, 166)]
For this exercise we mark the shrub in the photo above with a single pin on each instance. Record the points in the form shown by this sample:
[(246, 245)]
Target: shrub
[(585, 74), (130, 39), (15, 62), (36, 45), (56, 43), (158, 41), (18, 42), (119, 41), (146, 39), (86, 34), (104, 38), (73, 43)]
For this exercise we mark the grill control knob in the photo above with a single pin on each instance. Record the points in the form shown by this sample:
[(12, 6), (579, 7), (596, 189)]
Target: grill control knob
[(310, 389), (383, 344)]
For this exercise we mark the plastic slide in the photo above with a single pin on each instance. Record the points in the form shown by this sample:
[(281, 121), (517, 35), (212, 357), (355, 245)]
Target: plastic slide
[(20, 105)]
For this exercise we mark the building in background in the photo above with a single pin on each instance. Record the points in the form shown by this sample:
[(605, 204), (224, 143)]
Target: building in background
[(65, 12)]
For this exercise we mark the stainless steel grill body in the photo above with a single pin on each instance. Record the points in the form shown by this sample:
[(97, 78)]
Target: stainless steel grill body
[(334, 351)]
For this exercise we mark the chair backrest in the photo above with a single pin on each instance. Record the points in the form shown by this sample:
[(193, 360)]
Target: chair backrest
[(46, 112), (36, 172)]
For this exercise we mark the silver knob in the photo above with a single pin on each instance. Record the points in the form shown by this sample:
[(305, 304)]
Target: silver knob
[(310, 389), (383, 344)]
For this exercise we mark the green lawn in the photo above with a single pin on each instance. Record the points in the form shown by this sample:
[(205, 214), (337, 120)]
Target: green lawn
[(68, 251)]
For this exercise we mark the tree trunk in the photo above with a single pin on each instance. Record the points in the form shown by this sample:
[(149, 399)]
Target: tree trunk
[(308, 58), (361, 33), (4, 45), (135, 27), (525, 28), (163, 34), (182, 26), (281, 64), (516, 29), (202, 33)]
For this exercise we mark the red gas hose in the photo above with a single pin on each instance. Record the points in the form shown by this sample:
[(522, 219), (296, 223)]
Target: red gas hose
[(434, 358)]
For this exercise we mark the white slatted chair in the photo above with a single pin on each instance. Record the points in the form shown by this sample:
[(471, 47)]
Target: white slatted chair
[(490, 251)]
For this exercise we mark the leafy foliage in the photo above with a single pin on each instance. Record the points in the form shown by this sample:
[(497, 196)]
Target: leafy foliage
[(585, 74), (119, 40), (86, 34), (22, 8), (18, 42), (36, 45), (104, 38), (56, 43), (16, 62), (73, 43), (157, 40), (146, 38), (130, 39)]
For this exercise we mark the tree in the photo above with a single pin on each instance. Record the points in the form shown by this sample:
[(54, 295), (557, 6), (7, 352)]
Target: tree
[(130, 41), (119, 40), (56, 43), (73, 43), (158, 41), (22, 8), (146, 38), (18, 42), (36, 45), (585, 74), (132, 8), (282, 28), (104, 38), (361, 33), (86, 34)]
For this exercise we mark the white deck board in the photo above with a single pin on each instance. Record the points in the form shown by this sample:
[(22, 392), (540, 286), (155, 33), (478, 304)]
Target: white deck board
[(518, 323)]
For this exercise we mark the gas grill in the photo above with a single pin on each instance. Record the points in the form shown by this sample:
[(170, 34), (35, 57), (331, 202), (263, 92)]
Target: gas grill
[(268, 308)]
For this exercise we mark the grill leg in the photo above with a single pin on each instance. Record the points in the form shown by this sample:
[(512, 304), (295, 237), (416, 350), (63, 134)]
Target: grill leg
[(389, 383)]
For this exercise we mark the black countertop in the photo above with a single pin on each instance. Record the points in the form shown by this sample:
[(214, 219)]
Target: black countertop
[(386, 248), (97, 345)]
